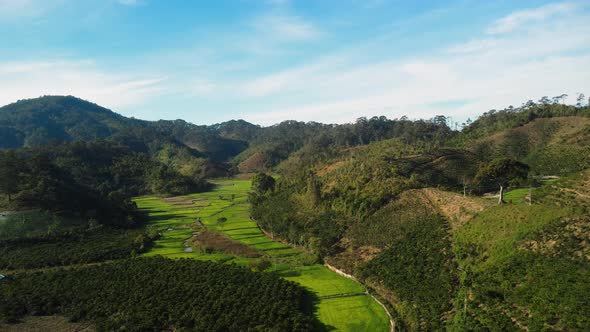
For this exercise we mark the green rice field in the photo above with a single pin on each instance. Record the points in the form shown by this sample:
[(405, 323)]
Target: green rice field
[(343, 304)]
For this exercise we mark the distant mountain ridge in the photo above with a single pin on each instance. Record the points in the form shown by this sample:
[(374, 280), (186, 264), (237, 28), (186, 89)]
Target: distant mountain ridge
[(238, 145), (39, 121)]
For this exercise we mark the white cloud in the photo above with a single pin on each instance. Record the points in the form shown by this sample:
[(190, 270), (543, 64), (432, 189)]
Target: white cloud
[(549, 57), (285, 28), (519, 18), (527, 56), (202, 88), (83, 79), (17, 9)]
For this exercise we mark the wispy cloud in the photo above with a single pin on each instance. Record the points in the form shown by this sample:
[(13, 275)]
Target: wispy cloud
[(519, 18), (485, 73), (286, 27), (80, 78), (274, 65), (17, 9)]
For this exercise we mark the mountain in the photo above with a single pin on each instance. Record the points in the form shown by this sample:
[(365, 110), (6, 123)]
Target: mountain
[(38, 121), (404, 213), (484, 228)]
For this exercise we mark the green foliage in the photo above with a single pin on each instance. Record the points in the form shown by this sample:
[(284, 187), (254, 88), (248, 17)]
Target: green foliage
[(519, 269), (68, 189), (500, 172), (316, 231), (494, 121), (154, 294), (559, 160), (79, 247), (418, 268), (39, 121), (388, 225), (9, 174), (261, 264), (336, 308), (311, 142), (205, 139), (34, 223), (262, 183), (90, 180)]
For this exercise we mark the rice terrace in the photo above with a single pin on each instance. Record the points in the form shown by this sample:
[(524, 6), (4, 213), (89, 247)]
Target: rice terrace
[(343, 305)]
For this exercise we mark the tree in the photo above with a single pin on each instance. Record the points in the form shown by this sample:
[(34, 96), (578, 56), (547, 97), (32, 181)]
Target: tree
[(221, 221), (314, 188), (262, 183), (515, 144), (559, 99), (580, 100), (499, 173), (261, 264), (544, 100), (9, 174)]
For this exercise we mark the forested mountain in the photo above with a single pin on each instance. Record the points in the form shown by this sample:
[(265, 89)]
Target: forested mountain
[(403, 212), (35, 122), (400, 204)]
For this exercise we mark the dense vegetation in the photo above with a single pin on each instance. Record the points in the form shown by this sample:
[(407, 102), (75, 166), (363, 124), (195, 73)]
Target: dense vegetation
[(494, 121), (89, 180), (343, 304), (527, 265), (419, 267), (154, 294), (81, 247), (357, 195), (358, 208)]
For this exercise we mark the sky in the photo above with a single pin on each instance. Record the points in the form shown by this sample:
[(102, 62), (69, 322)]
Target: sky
[(266, 61)]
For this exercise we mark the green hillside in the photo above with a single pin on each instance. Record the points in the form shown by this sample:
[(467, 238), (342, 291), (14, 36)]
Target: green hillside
[(443, 257), (484, 228)]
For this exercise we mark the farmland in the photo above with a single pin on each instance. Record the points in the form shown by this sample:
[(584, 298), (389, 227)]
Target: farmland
[(343, 304)]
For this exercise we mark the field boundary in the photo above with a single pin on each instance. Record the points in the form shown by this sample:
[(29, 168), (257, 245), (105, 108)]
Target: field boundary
[(346, 275)]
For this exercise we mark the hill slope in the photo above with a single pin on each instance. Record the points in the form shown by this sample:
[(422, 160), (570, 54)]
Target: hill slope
[(551, 146), (35, 122)]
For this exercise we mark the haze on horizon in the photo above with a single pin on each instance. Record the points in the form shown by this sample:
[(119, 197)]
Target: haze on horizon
[(271, 60)]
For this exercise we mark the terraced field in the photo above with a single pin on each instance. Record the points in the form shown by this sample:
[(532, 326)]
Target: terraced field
[(343, 304)]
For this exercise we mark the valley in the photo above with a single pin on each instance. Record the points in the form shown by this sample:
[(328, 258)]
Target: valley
[(342, 303), (122, 223), (294, 166)]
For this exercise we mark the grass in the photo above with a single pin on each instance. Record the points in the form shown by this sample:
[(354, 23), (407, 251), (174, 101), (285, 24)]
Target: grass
[(345, 311), (495, 231), (343, 304), (519, 196), (509, 284)]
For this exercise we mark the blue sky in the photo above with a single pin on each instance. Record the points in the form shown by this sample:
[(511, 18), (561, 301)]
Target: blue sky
[(266, 61)]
